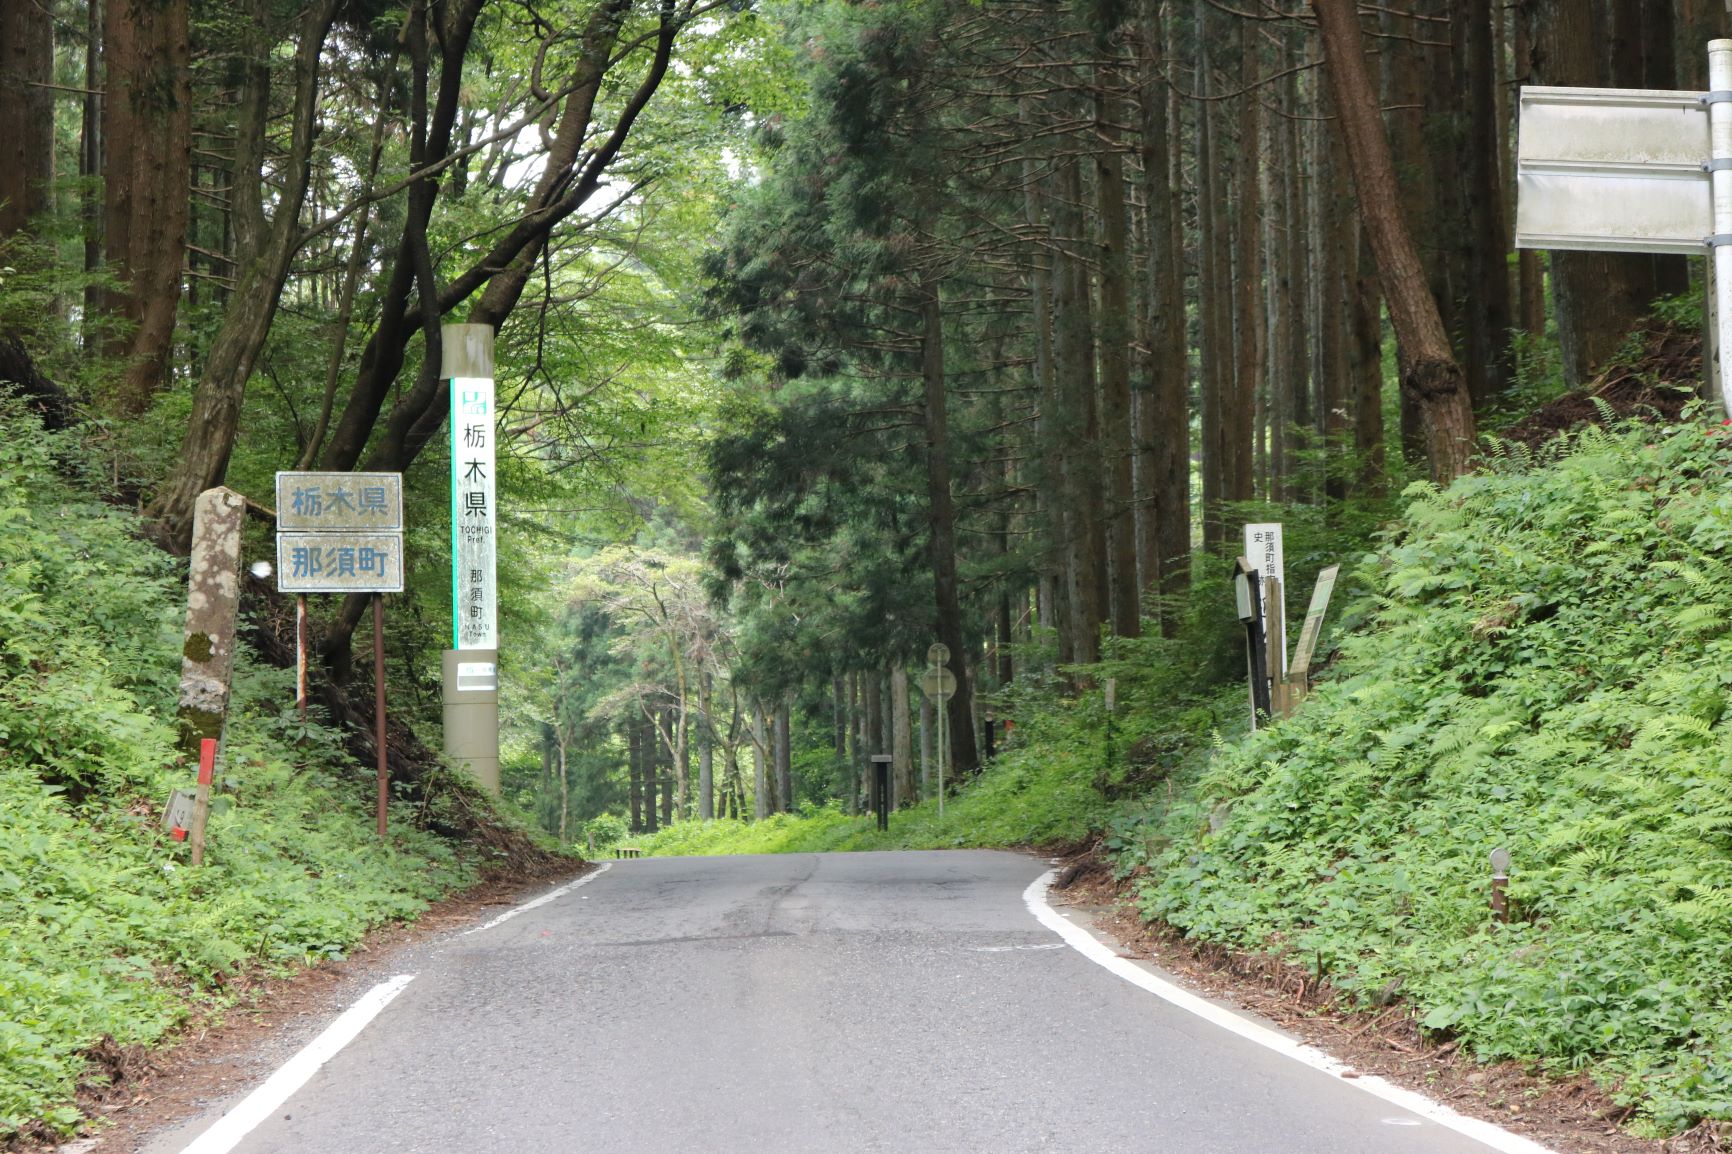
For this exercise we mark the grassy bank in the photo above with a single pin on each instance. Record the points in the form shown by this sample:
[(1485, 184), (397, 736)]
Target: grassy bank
[(1546, 670), (105, 931)]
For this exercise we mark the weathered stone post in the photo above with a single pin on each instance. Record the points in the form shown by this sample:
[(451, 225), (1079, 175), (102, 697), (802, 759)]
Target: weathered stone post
[(212, 602)]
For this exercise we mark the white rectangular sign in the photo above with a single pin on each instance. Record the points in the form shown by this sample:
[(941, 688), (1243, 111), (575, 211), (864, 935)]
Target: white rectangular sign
[(1615, 169), (474, 589), (477, 675), (340, 562), (1263, 551), (325, 502)]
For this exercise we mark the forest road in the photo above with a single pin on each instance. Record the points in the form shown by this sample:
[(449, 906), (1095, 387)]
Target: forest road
[(802, 1004)]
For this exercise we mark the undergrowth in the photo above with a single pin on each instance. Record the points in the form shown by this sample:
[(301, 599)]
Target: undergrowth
[(105, 931), (1546, 669)]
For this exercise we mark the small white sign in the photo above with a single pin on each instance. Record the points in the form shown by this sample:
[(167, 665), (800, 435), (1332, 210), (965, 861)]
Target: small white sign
[(477, 675), (1263, 550)]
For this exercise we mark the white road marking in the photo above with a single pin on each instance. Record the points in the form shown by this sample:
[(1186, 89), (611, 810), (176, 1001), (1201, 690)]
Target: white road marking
[(263, 1102), (540, 901), (1095, 951)]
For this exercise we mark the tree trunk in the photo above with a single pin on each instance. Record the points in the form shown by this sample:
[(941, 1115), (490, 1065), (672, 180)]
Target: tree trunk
[(1279, 177), (928, 721), (784, 758), (1488, 306), (1075, 421), (1367, 310), (1531, 286), (634, 772), (1211, 287), (1429, 371), (902, 740), (1049, 493), (1335, 233), (1598, 297), (91, 151), (1165, 427), (706, 749), (948, 604), (264, 254), (1115, 352), (26, 113), (1238, 410), (761, 807), (564, 788), (665, 758), (149, 135)]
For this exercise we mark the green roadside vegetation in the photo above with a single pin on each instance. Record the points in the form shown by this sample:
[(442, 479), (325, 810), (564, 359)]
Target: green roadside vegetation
[(106, 933), (1536, 659)]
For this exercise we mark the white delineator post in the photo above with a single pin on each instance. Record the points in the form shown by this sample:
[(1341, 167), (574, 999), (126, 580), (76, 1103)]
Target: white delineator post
[(1720, 175)]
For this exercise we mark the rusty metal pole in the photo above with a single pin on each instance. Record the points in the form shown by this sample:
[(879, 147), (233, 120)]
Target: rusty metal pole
[(301, 656), (379, 702)]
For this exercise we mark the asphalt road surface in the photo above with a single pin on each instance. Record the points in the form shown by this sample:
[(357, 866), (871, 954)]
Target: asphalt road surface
[(793, 1004)]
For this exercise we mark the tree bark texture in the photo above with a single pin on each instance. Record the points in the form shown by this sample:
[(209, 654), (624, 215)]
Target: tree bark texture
[(1115, 352), (946, 593), (902, 740), (26, 113), (1429, 371), (149, 167)]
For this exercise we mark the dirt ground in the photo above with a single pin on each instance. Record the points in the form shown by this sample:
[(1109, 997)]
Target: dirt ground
[(1570, 1115), (1655, 386), (271, 1018)]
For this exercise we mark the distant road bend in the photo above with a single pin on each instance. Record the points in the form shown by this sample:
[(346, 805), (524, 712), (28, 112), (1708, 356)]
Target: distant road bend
[(796, 1004)]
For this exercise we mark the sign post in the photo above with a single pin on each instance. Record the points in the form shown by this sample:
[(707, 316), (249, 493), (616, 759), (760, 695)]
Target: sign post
[(1300, 674), (1263, 550), (939, 684), (471, 666), (343, 533), (881, 788), (1633, 170), (1247, 595)]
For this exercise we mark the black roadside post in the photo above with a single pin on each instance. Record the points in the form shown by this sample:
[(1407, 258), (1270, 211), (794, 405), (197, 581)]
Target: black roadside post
[(1247, 591), (881, 788)]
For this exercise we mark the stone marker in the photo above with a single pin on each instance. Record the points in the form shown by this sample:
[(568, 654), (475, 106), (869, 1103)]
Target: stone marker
[(212, 601)]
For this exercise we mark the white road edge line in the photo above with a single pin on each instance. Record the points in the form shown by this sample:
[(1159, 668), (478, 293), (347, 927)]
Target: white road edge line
[(228, 1130), (1095, 951), (540, 901)]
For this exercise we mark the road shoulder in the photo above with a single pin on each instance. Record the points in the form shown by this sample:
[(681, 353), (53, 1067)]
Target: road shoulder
[(1570, 1116), (226, 1053)]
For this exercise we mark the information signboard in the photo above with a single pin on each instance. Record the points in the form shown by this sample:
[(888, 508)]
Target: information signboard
[(340, 532), (1314, 621), (1263, 550), (335, 502), (1617, 169), (340, 562), (474, 591)]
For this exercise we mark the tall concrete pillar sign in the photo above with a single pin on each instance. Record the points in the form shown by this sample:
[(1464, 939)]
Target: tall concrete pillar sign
[(471, 669), (212, 601)]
